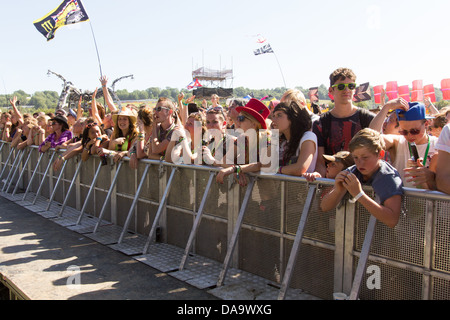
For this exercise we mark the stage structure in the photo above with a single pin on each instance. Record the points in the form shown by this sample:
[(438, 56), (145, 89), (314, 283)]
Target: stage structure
[(213, 82)]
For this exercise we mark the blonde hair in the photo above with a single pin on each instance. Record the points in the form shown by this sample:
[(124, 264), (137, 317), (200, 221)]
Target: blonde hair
[(368, 138), (294, 95)]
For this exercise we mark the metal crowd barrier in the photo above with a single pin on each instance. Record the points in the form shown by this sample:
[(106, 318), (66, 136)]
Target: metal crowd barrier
[(268, 240)]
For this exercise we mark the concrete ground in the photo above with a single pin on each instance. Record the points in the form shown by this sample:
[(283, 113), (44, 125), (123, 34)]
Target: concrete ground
[(45, 261)]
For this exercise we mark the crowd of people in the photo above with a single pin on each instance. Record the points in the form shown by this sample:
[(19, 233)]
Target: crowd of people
[(401, 144)]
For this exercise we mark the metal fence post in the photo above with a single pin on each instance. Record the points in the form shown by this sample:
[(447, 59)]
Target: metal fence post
[(297, 242), (236, 231), (108, 196), (162, 205), (196, 222), (363, 258), (133, 204)]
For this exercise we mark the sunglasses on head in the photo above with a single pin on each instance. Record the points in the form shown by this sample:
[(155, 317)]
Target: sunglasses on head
[(342, 86), (90, 125), (413, 132)]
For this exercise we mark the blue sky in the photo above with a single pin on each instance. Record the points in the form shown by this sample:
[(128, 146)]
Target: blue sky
[(161, 42)]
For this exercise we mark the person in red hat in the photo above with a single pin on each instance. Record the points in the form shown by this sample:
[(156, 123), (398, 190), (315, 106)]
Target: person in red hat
[(252, 116)]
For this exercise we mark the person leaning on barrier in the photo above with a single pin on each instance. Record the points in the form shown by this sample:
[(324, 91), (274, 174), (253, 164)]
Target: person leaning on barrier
[(367, 148), (93, 138), (73, 146), (61, 134), (216, 145), (442, 165), (298, 144), (27, 134), (124, 134), (163, 128), (184, 141), (141, 149), (251, 117)]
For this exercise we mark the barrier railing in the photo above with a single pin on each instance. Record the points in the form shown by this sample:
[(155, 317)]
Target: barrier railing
[(269, 237)]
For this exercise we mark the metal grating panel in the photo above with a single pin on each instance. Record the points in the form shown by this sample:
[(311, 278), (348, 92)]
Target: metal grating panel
[(395, 284), (107, 234), (132, 244), (199, 271), (442, 237), (264, 205), (163, 257), (441, 289), (405, 242)]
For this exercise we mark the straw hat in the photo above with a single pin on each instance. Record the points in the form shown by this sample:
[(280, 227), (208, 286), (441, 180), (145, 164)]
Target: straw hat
[(125, 111)]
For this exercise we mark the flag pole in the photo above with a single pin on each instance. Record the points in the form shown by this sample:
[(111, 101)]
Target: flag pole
[(96, 49), (281, 71)]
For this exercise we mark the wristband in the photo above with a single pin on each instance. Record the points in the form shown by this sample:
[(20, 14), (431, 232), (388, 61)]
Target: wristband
[(359, 195), (98, 139)]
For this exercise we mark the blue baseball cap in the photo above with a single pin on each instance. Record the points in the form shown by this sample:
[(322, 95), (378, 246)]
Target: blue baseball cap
[(416, 112)]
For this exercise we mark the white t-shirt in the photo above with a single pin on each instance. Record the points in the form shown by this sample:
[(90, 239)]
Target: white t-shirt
[(444, 139), (308, 135), (402, 156)]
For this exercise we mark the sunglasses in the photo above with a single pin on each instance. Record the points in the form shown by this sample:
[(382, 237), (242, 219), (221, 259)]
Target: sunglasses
[(90, 125), (159, 108), (413, 132), (342, 86), (242, 118)]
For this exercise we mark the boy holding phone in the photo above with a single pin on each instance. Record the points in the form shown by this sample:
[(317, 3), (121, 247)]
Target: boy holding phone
[(413, 129), (367, 150)]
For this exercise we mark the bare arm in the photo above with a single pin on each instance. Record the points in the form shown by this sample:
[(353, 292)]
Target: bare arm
[(108, 98), (304, 160), (443, 172)]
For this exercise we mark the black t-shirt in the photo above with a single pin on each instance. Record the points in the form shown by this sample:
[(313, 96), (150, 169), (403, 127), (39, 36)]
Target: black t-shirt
[(334, 134)]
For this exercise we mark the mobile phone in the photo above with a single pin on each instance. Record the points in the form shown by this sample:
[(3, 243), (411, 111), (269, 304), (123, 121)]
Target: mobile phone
[(415, 153)]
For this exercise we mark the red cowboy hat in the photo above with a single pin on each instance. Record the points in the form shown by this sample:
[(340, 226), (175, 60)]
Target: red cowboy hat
[(257, 110)]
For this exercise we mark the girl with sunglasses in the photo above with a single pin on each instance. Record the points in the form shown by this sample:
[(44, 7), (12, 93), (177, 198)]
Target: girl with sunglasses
[(61, 133), (252, 116)]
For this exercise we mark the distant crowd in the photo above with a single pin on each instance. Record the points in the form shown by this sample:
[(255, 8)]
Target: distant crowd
[(400, 144)]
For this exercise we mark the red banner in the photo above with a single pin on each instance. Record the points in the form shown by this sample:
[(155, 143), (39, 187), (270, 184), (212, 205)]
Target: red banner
[(392, 90), (417, 91), (403, 92), (377, 94), (428, 91), (445, 88)]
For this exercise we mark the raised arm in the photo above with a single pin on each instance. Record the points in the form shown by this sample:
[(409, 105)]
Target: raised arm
[(13, 103), (94, 109), (377, 122), (108, 98)]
